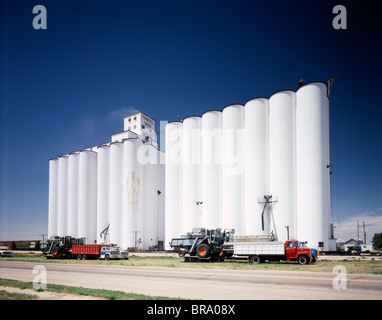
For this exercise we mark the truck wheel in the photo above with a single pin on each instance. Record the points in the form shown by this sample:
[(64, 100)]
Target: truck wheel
[(303, 260), (56, 252), (84, 257), (181, 254), (203, 251), (256, 259), (79, 257), (107, 256)]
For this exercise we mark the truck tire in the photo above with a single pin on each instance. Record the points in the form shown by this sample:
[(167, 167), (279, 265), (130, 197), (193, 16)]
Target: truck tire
[(56, 252), (303, 259), (79, 257), (203, 251), (256, 259), (107, 256)]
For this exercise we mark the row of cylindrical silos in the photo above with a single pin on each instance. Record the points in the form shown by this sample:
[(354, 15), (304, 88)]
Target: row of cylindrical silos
[(73, 194), (117, 185), (219, 166)]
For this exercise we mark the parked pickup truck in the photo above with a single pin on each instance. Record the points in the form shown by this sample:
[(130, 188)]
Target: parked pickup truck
[(5, 252), (291, 250), (108, 253)]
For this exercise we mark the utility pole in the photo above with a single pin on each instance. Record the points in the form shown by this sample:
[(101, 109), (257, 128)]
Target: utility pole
[(364, 233), (287, 227), (358, 232)]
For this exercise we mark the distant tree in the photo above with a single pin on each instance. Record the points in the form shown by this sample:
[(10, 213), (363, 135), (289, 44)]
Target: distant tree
[(377, 241)]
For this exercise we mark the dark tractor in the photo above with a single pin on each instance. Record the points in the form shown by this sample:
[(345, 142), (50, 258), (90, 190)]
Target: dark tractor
[(59, 247), (202, 244)]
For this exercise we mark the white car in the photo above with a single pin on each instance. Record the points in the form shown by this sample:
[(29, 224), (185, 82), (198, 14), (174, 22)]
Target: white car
[(108, 253), (5, 252)]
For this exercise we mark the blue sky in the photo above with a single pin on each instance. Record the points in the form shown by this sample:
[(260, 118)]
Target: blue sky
[(68, 87)]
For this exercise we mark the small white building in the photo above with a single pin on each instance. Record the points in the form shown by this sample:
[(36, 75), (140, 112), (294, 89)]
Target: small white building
[(353, 243)]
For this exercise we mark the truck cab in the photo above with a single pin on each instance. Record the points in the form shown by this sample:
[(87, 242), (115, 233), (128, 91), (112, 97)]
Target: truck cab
[(298, 251), (111, 252)]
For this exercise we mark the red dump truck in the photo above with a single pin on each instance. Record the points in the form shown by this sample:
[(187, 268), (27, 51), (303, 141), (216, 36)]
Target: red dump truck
[(98, 251)]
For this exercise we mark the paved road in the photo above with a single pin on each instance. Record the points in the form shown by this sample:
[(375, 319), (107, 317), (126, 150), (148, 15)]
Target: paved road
[(202, 283)]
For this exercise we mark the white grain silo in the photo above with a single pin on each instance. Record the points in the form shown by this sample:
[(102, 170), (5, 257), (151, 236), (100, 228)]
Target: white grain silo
[(282, 161), (132, 194), (73, 192), (151, 195), (109, 186), (233, 167), (256, 165), (53, 198), (87, 197), (173, 172), (103, 194), (312, 140), (216, 168), (161, 187), (211, 157), (62, 211), (192, 194), (116, 190)]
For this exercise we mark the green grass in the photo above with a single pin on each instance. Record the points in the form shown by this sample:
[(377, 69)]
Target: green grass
[(104, 294), (5, 295), (356, 266)]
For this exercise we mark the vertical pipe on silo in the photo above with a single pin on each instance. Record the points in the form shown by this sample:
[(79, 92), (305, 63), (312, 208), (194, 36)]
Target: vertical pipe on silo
[(73, 170), (116, 190), (326, 173), (173, 178), (103, 182), (312, 139), (62, 210), (87, 196), (256, 165), (211, 158), (192, 195), (233, 167), (53, 197), (282, 161)]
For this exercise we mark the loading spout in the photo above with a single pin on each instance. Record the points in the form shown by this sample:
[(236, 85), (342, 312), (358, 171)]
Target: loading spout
[(267, 201)]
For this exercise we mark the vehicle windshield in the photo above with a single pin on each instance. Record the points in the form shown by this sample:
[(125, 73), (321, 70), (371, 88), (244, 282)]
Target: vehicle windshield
[(302, 244)]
